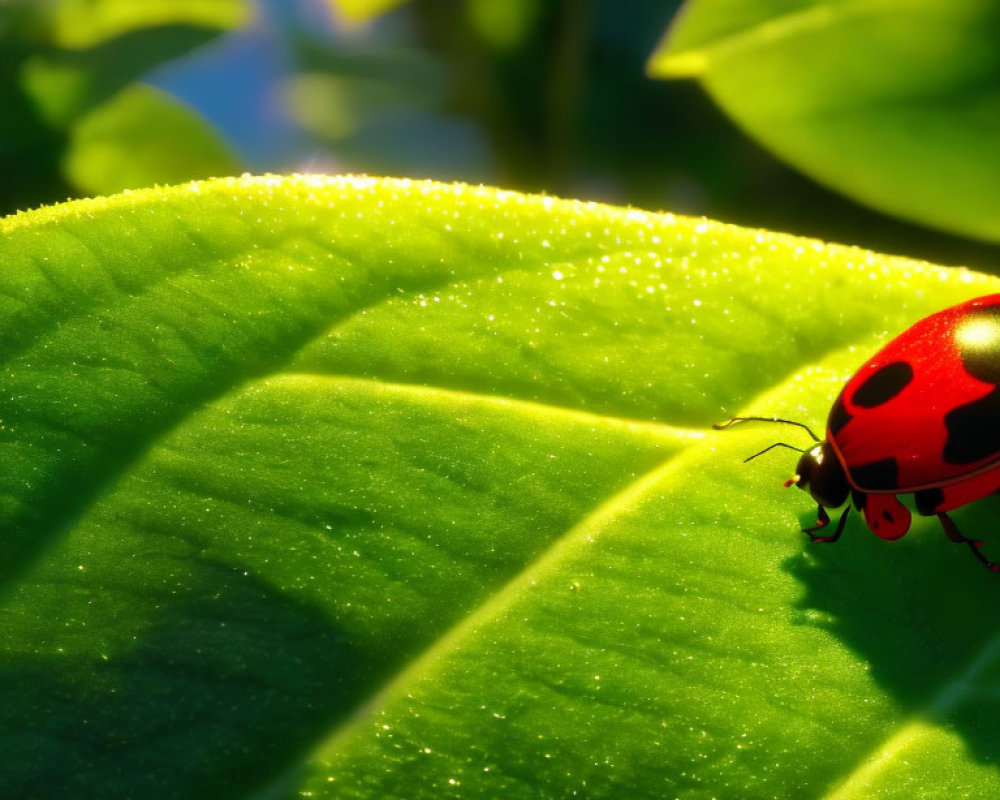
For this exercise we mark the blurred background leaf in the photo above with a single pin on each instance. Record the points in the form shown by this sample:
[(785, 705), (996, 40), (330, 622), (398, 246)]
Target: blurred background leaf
[(63, 65), (896, 103), (359, 11), (85, 23), (139, 138)]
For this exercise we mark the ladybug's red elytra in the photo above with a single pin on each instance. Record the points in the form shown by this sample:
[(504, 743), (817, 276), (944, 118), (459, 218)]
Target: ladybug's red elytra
[(921, 417)]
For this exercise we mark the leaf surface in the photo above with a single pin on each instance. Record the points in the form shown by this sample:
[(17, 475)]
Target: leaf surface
[(366, 488)]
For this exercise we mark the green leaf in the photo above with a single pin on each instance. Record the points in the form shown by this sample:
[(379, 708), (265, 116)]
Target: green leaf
[(142, 137), (895, 103), (66, 58), (357, 12), (366, 488), (85, 23), (65, 84)]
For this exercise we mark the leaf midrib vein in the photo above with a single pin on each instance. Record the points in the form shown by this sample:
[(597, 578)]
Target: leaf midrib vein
[(494, 400), (507, 595)]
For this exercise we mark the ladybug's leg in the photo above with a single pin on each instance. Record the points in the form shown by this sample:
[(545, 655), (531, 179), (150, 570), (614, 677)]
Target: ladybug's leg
[(822, 520), (952, 532)]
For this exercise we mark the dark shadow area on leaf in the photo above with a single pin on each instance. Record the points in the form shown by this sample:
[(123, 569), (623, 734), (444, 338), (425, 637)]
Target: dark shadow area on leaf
[(920, 611), (222, 694)]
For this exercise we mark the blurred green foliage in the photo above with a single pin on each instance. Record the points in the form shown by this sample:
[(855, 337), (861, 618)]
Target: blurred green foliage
[(896, 103), (532, 96), (63, 65)]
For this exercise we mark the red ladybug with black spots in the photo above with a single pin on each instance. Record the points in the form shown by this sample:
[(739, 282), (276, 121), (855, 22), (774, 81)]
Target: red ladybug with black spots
[(921, 417)]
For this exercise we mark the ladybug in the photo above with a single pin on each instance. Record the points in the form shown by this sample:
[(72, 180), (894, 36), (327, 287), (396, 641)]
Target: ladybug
[(920, 417)]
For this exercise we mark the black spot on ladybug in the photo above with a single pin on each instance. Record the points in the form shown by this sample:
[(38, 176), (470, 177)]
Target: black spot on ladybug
[(977, 337), (973, 430), (928, 501), (883, 385), (878, 476), (838, 417), (887, 516)]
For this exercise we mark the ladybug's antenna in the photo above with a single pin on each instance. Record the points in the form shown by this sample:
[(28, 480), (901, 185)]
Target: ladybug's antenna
[(737, 420), (771, 447)]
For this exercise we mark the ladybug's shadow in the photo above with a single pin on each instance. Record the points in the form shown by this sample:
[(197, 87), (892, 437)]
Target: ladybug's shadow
[(923, 612)]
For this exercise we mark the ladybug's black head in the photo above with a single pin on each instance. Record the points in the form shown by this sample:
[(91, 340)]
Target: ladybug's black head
[(820, 473)]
